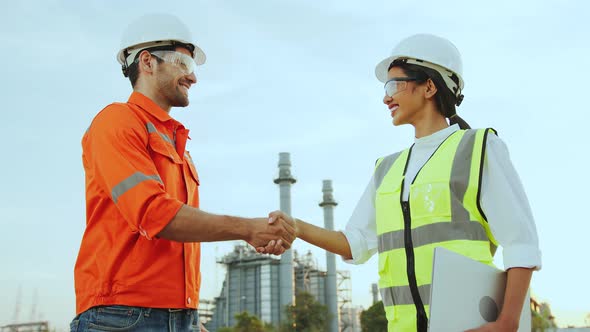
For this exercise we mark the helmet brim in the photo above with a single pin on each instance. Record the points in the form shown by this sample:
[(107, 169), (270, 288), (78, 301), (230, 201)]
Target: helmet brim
[(381, 68)]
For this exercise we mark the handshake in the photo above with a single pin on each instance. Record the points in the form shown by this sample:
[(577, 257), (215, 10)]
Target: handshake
[(273, 235)]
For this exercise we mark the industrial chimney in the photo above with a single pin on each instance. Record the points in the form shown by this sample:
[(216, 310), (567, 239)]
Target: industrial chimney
[(375, 292), (328, 204), (285, 180)]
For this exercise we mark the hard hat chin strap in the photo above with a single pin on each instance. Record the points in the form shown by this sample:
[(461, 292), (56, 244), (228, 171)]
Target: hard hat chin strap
[(459, 99), (124, 66)]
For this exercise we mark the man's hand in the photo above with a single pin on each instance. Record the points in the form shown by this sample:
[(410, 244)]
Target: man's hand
[(275, 247), (274, 233), (203, 329)]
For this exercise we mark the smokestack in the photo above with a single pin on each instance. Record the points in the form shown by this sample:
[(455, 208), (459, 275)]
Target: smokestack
[(285, 180), (375, 291), (328, 205)]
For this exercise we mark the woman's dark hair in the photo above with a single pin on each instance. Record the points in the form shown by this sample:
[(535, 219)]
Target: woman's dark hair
[(444, 97)]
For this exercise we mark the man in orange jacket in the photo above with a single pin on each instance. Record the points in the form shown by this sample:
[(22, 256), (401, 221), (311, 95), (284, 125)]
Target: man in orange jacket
[(138, 268)]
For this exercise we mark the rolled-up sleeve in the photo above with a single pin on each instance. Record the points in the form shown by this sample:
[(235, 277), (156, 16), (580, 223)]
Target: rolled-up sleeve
[(118, 161), (361, 229), (507, 208)]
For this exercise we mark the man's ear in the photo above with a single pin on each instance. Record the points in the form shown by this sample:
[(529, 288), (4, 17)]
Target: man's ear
[(145, 62), (430, 89)]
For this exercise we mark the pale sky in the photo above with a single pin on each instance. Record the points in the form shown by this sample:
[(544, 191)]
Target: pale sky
[(287, 76)]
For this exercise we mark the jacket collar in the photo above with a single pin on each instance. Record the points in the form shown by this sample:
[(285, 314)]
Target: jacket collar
[(149, 106)]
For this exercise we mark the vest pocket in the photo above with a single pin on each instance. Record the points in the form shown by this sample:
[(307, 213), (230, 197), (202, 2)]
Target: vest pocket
[(430, 200), (385, 283), (387, 208)]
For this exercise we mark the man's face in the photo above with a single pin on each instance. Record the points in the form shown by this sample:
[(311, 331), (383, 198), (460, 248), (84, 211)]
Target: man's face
[(172, 81)]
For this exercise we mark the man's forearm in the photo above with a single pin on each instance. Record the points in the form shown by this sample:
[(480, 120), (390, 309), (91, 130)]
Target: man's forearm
[(329, 240), (194, 225), (517, 284)]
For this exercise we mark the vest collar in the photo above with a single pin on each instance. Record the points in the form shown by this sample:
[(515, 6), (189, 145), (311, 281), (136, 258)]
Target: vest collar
[(438, 136)]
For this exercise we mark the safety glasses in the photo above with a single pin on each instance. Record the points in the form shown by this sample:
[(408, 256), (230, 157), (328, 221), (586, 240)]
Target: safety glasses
[(397, 84), (184, 62)]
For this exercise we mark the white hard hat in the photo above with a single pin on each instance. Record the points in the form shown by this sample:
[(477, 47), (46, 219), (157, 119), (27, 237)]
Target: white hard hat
[(428, 51), (155, 30)]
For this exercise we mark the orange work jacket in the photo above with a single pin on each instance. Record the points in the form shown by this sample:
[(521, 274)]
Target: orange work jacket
[(138, 175)]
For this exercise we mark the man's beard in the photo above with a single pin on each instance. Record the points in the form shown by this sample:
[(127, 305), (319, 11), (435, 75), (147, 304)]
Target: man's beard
[(175, 97), (170, 89)]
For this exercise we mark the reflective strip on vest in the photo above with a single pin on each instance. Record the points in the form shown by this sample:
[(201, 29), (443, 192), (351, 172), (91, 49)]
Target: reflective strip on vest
[(460, 176), (383, 167), (434, 233), (130, 182), (403, 295), (152, 129)]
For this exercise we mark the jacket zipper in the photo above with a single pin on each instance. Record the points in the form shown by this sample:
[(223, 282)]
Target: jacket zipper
[(421, 317)]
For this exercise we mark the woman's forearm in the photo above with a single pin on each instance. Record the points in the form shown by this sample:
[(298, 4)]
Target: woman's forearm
[(329, 240), (517, 284)]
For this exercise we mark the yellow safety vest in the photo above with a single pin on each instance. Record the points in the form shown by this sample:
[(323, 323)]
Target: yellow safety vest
[(443, 210)]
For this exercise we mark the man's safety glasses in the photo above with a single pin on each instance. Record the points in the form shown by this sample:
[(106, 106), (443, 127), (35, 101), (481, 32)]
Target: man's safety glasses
[(184, 62), (397, 84)]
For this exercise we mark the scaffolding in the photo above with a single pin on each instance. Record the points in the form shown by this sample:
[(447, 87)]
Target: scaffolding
[(345, 301), (206, 308)]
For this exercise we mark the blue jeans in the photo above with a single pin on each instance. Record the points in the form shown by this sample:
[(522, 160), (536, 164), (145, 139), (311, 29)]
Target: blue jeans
[(123, 318)]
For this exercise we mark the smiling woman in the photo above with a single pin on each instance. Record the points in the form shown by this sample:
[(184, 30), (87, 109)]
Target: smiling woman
[(454, 187)]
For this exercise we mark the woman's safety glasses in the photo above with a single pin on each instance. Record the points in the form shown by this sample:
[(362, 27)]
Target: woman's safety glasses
[(397, 84), (184, 62)]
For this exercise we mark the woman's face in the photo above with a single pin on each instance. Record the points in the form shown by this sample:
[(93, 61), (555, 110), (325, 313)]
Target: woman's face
[(405, 103)]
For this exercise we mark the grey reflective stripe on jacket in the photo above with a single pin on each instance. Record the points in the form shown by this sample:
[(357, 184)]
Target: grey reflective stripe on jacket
[(383, 168), (130, 182), (403, 295), (152, 129), (460, 226), (460, 174), (433, 233)]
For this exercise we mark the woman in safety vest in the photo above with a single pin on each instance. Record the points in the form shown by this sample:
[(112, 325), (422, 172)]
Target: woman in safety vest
[(454, 187)]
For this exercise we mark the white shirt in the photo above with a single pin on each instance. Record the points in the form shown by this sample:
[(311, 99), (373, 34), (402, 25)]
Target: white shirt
[(503, 201)]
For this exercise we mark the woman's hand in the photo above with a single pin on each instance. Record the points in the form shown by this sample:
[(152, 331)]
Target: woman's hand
[(276, 247)]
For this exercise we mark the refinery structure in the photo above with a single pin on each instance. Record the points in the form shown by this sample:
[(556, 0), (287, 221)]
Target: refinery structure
[(264, 285), (252, 284)]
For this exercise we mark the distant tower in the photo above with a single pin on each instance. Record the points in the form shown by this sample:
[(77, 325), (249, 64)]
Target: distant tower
[(285, 180), (17, 305), (375, 291), (328, 204), (34, 307)]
